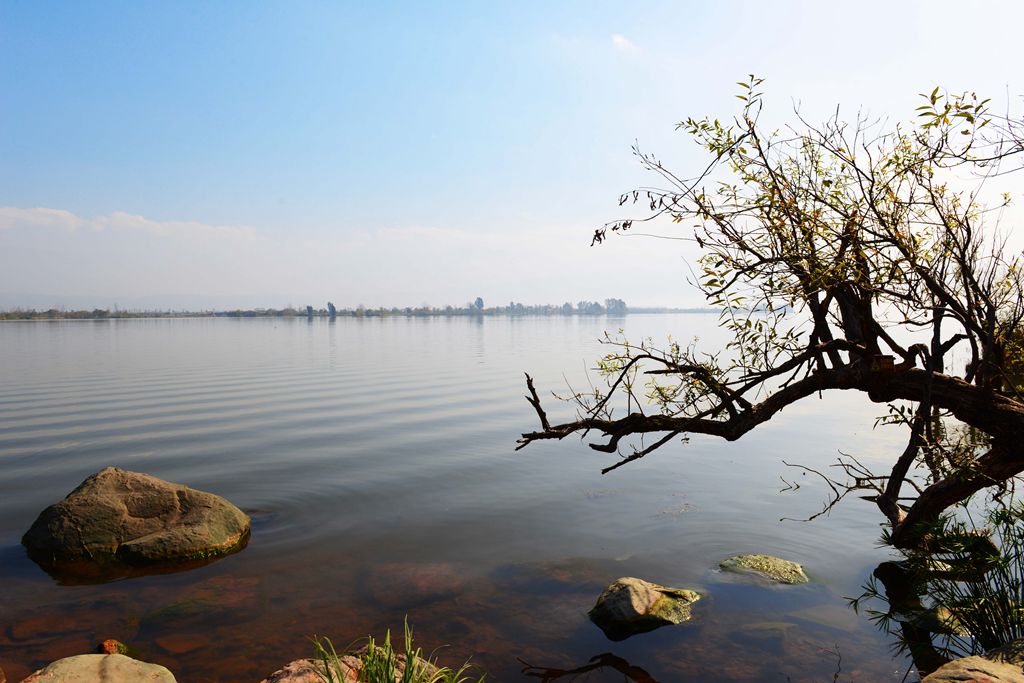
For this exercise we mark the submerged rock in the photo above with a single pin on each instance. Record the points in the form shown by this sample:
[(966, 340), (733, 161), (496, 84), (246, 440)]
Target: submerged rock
[(106, 668), (630, 606), (402, 585), (933, 619), (767, 635), (117, 520), (772, 568)]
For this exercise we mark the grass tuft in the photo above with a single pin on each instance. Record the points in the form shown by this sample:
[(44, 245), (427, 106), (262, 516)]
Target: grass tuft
[(381, 663), (965, 593), (988, 600)]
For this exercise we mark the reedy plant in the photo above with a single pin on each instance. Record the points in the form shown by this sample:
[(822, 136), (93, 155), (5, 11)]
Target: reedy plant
[(987, 598), (965, 592), (382, 664)]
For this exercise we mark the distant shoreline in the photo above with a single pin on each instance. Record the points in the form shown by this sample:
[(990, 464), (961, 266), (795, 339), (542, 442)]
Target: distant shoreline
[(591, 310)]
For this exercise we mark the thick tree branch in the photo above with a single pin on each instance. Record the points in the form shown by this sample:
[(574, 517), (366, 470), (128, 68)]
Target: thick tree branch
[(995, 467), (995, 414), (820, 245)]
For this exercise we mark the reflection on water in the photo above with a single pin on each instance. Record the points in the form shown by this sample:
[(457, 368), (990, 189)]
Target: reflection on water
[(83, 572), (380, 454), (903, 620), (596, 663)]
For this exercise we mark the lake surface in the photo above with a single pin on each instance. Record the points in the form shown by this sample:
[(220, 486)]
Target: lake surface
[(376, 457)]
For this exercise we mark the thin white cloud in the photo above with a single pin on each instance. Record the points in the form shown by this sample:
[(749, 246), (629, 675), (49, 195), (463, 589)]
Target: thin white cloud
[(127, 221), (623, 44), (13, 217), (59, 219)]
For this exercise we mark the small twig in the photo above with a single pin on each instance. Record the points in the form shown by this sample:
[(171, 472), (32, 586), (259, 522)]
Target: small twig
[(639, 454)]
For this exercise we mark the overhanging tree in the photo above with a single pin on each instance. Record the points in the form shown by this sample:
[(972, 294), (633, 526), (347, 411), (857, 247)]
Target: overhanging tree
[(844, 256)]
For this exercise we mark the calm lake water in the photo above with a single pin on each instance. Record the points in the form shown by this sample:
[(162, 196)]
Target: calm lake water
[(376, 457)]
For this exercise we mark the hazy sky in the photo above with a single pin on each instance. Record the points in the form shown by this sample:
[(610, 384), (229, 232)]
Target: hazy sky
[(194, 154)]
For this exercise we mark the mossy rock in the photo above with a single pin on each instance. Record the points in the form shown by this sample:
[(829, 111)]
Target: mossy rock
[(630, 606), (770, 567), (117, 521)]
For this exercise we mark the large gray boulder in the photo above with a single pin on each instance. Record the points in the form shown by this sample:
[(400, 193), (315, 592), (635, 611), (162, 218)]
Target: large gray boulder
[(117, 520), (101, 669), (629, 606)]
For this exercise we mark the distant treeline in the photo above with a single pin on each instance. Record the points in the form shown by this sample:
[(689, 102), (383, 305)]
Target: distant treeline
[(94, 314), (476, 308)]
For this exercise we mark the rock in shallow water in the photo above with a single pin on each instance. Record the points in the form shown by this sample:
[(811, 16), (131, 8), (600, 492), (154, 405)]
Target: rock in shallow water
[(630, 606), (105, 668), (772, 568), (117, 520)]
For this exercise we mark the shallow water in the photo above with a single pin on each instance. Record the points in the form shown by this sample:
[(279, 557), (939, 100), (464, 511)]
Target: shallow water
[(376, 456)]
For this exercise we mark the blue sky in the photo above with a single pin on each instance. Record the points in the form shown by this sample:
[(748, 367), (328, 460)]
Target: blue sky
[(222, 154)]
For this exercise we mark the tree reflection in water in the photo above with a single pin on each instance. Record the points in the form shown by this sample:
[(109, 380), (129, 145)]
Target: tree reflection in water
[(598, 662), (959, 596)]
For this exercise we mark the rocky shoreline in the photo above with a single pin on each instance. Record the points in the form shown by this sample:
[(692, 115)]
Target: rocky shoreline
[(119, 524), (1002, 665), (120, 668)]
